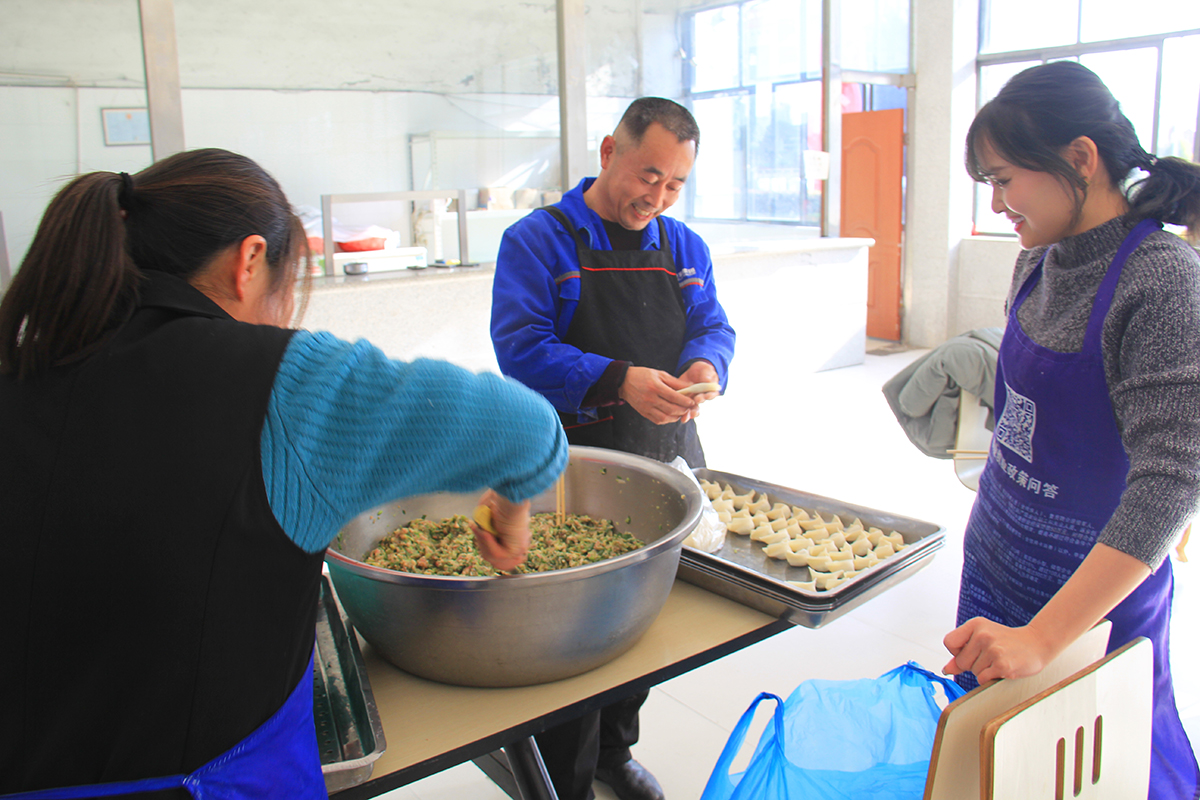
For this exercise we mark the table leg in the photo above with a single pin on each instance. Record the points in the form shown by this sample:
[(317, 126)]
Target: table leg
[(519, 771)]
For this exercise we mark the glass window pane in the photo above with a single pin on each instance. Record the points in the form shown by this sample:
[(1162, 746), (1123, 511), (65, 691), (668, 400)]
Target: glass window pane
[(1026, 24), (1181, 93), (1131, 76), (1117, 19), (786, 122), (771, 47), (781, 40), (875, 35), (720, 173), (993, 78), (714, 57)]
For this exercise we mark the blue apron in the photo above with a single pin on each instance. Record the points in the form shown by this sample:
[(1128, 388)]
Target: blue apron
[(1054, 477), (278, 761)]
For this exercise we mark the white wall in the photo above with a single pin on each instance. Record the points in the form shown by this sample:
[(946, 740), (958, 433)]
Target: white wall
[(985, 269), (323, 93)]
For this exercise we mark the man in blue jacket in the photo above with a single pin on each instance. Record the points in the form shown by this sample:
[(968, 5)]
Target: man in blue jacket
[(608, 310)]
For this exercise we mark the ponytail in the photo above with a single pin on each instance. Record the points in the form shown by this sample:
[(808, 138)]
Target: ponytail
[(75, 284), (80, 279), (1170, 193)]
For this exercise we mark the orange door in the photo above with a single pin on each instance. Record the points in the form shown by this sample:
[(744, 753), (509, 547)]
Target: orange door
[(872, 171)]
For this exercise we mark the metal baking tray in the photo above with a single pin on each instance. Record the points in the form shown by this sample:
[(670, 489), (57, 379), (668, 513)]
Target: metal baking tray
[(349, 731), (741, 571)]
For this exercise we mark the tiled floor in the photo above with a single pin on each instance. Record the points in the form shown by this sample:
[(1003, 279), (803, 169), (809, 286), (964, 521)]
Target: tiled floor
[(831, 434)]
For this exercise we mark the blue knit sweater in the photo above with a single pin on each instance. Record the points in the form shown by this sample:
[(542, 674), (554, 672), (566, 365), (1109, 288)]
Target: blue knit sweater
[(348, 429)]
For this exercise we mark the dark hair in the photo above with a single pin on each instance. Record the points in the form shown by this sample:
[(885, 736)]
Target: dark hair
[(672, 116), (79, 280), (1043, 109)]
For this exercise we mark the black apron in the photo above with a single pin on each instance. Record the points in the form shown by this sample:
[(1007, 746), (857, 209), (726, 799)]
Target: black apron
[(630, 309)]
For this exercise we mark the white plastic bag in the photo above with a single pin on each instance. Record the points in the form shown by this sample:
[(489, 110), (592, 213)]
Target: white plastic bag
[(709, 535)]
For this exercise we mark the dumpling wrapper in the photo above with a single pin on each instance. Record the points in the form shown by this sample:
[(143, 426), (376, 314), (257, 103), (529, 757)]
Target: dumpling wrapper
[(865, 562), (820, 563), (743, 500), (742, 526), (760, 506), (829, 581), (781, 549), (700, 388)]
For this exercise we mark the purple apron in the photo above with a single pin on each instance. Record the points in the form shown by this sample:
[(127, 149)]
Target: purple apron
[(278, 761), (1054, 476)]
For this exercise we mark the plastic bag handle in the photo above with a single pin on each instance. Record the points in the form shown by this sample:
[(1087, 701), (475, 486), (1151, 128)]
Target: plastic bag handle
[(734, 744), (949, 685)]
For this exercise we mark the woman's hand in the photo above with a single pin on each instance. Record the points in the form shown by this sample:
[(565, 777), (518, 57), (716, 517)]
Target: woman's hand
[(991, 650), (507, 543)]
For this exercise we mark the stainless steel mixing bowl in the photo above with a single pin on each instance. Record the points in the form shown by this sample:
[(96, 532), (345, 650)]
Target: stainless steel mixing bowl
[(523, 629)]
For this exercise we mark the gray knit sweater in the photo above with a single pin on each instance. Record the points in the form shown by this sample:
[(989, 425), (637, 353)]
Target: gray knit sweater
[(1151, 347)]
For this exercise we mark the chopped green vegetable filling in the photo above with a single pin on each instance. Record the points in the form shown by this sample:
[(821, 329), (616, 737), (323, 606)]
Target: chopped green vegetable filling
[(448, 547)]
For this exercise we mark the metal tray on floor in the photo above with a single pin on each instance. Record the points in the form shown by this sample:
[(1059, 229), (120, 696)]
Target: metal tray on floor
[(741, 571), (349, 731)]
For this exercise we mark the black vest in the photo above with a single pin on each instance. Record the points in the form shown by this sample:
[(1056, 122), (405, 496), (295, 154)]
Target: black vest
[(152, 611)]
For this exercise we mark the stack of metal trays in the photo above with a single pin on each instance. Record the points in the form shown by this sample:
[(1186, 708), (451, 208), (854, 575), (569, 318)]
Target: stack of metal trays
[(349, 731), (742, 572)]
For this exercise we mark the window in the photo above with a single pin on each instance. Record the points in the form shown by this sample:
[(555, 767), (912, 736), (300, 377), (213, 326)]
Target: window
[(1149, 59), (754, 86)]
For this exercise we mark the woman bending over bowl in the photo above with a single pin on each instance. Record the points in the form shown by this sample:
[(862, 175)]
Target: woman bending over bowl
[(175, 462)]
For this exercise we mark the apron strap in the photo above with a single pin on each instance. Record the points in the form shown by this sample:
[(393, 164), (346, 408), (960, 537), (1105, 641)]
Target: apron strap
[(1108, 286), (580, 244)]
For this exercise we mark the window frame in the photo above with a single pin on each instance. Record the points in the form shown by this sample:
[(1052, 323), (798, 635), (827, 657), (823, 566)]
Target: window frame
[(1156, 41)]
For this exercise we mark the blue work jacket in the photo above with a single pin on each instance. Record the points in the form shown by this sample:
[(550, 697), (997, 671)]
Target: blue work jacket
[(536, 292)]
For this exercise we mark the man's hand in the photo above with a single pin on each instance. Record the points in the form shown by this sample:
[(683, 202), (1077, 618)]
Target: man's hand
[(992, 650), (699, 372), (507, 543), (655, 395)]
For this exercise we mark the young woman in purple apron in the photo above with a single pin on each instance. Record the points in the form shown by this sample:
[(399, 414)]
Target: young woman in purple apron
[(1094, 468)]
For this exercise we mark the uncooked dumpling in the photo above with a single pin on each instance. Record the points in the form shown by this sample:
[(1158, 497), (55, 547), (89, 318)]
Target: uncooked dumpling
[(779, 511), (742, 526)]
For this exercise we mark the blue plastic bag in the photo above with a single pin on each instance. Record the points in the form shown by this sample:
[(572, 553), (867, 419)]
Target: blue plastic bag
[(868, 739)]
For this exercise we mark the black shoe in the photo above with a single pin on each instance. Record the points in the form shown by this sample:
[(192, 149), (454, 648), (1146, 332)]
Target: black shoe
[(630, 781)]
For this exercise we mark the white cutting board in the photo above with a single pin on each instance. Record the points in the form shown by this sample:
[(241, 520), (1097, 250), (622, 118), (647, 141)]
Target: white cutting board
[(954, 766)]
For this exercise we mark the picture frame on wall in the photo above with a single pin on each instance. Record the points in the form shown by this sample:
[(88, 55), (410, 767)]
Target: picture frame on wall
[(126, 126)]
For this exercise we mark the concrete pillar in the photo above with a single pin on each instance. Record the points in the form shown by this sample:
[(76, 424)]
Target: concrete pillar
[(940, 193)]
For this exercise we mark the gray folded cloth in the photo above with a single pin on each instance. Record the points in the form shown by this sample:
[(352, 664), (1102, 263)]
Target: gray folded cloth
[(924, 395)]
